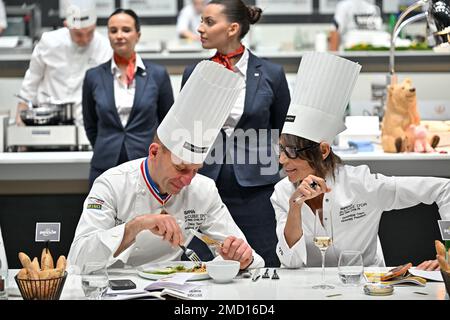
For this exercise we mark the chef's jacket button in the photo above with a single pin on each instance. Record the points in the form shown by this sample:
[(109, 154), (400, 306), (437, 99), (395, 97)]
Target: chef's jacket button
[(327, 200)]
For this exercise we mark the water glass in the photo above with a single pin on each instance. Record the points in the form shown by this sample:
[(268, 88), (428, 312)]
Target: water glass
[(94, 280), (350, 267)]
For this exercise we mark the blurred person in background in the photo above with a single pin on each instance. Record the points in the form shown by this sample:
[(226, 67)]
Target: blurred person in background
[(3, 22), (189, 20), (62, 57), (124, 99), (245, 187), (352, 16)]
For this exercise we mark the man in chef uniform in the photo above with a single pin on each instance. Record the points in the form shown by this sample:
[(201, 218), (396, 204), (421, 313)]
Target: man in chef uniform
[(352, 197), (62, 57), (140, 211), (355, 21)]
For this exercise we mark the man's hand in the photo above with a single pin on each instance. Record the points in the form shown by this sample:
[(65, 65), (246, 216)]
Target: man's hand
[(160, 224), (164, 225), (236, 249), (429, 265), (21, 106)]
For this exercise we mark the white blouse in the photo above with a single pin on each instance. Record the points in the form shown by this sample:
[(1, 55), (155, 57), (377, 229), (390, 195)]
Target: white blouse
[(124, 94)]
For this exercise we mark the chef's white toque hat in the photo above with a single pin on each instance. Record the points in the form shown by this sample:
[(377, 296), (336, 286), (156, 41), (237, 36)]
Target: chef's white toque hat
[(80, 14), (322, 91), (200, 110)]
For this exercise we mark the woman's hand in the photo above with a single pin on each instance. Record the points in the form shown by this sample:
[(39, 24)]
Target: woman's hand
[(309, 188)]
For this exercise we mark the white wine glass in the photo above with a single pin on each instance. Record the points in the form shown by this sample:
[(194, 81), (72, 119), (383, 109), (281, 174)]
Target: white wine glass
[(94, 280), (323, 238)]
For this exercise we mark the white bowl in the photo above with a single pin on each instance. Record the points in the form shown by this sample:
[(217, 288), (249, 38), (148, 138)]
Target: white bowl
[(222, 271)]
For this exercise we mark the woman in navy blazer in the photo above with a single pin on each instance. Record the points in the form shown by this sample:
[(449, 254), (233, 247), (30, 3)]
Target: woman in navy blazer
[(246, 187), (124, 99)]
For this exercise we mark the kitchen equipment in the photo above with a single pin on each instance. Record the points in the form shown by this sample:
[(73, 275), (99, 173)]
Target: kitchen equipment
[(46, 116), (47, 126), (82, 139), (48, 113), (42, 137)]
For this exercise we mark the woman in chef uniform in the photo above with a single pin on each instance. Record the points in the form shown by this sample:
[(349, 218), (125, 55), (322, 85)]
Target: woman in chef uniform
[(316, 178), (124, 99), (262, 105)]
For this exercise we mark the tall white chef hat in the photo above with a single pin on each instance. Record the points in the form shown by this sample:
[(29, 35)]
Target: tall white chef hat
[(80, 14), (322, 91), (200, 110)]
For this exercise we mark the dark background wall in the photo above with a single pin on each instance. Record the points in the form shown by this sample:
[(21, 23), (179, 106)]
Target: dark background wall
[(406, 235), (18, 218)]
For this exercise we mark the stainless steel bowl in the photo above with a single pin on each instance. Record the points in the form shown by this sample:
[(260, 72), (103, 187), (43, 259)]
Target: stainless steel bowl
[(48, 115), (41, 116)]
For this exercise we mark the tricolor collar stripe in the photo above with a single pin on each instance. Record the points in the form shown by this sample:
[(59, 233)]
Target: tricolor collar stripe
[(151, 185)]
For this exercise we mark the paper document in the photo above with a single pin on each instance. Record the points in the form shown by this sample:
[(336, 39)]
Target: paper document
[(430, 275), (9, 42)]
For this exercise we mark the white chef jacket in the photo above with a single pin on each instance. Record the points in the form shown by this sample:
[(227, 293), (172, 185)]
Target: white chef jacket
[(356, 202), (188, 20), (123, 193), (3, 21), (356, 15), (57, 68)]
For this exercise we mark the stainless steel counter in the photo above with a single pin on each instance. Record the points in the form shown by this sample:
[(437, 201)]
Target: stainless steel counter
[(15, 65)]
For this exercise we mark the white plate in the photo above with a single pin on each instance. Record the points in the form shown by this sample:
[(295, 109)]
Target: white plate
[(162, 265)]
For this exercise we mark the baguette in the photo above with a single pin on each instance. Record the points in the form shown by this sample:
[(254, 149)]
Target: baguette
[(22, 274), (47, 260), (440, 248), (24, 260), (443, 263), (61, 263), (35, 265)]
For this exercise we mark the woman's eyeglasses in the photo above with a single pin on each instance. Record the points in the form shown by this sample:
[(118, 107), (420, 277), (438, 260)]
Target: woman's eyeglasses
[(293, 152)]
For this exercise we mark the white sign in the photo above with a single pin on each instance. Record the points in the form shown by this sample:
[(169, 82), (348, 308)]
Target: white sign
[(104, 8), (444, 227), (327, 6), (285, 6), (48, 232), (152, 8)]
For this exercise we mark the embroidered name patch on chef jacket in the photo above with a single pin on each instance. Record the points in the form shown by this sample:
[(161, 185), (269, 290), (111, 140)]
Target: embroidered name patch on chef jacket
[(353, 212), (192, 219)]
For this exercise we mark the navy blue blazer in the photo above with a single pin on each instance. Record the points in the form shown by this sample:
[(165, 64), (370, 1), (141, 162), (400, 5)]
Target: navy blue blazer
[(152, 101), (267, 101)]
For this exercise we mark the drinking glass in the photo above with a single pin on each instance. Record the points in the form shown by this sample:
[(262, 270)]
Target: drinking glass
[(94, 280), (323, 238), (350, 267)]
